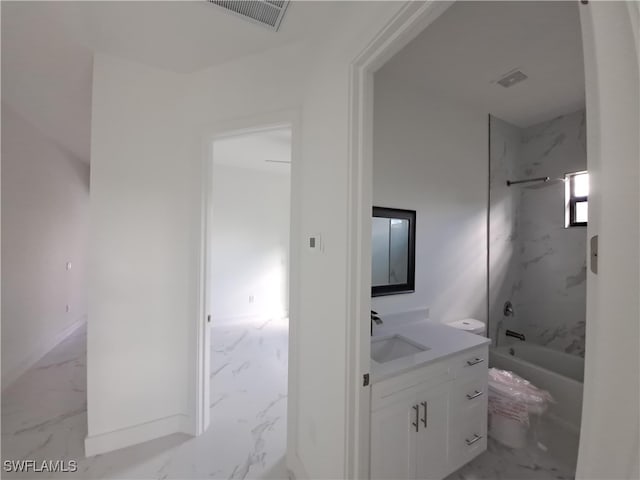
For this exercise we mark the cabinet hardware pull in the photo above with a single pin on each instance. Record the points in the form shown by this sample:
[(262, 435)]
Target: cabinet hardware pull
[(424, 416), (475, 361), (475, 438), (417, 422), (471, 396)]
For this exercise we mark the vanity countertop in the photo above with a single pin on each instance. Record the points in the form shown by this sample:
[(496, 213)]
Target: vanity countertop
[(441, 340)]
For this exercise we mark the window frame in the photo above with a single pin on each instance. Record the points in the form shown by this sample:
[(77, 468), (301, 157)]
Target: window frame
[(573, 200), (410, 285)]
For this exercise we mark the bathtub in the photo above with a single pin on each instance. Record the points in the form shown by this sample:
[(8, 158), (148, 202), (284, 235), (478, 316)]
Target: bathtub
[(559, 373)]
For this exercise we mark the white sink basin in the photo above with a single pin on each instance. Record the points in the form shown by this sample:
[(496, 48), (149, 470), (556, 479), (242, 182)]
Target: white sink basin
[(386, 349)]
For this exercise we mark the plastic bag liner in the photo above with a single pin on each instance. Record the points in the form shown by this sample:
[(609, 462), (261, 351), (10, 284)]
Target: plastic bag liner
[(514, 397)]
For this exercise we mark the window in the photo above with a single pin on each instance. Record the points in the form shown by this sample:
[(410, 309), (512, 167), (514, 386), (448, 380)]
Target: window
[(577, 199)]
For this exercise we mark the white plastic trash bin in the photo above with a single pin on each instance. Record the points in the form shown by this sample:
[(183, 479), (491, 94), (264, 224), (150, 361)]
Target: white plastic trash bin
[(508, 431), (511, 400)]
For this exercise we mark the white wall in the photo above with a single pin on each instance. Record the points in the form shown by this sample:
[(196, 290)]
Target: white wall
[(45, 201), (609, 435), (250, 243), (430, 155), (148, 131), (142, 286), (505, 150)]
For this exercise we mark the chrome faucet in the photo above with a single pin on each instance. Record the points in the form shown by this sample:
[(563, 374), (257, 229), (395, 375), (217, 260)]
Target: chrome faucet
[(375, 317), (508, 309)]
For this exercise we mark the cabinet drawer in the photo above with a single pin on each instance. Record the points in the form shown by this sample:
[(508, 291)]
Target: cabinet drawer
[(467, 438), (390, 390), (473, 362), (470, 392)]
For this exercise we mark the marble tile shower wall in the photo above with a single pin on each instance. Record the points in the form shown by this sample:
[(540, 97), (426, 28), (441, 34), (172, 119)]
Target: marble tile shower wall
[(545, 276)]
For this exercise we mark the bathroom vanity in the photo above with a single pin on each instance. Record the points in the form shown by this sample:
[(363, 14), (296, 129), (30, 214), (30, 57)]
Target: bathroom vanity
[(428, 401)]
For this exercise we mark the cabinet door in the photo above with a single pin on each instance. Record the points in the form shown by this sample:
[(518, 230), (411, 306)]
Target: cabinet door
[(393, 441), (432, 439)]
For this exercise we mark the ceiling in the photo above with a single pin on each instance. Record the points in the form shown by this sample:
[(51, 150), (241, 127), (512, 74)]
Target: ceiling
[(181, 36), (48, 47), (46, 76), (473, 44), (253, 149)]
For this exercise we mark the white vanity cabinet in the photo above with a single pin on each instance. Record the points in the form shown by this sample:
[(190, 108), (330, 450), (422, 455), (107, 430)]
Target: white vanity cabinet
[(409, 436), (428, 422)]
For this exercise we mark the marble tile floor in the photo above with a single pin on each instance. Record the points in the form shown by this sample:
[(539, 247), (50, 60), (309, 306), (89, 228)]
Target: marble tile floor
[(44, 414), (499, 462), (44, 417)]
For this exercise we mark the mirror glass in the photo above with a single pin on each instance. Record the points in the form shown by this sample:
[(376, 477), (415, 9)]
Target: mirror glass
[(392, 251)]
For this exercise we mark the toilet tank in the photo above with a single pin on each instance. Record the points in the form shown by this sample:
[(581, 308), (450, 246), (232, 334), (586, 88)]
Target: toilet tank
[(470, 325)]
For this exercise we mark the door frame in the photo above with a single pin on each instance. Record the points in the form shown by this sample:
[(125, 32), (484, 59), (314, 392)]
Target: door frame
[(239, 126), (409, 21)]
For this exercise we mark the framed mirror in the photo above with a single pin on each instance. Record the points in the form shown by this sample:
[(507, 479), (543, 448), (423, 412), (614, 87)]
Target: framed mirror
[(393, 240)]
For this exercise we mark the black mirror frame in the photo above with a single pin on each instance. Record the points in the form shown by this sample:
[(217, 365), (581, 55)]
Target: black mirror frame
[(409, 287)]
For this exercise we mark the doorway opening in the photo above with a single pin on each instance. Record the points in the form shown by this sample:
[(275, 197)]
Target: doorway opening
[(365, 67), (247, 298)]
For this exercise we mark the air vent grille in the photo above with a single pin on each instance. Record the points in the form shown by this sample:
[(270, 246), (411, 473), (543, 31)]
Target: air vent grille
[(265, 12), (512, 78)]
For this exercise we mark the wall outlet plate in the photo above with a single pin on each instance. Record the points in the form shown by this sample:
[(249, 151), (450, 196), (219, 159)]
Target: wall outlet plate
[(314, 243)]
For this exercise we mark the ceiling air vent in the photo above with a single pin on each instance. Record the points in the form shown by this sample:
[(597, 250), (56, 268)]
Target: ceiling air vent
[(265, 12), (511, 78)]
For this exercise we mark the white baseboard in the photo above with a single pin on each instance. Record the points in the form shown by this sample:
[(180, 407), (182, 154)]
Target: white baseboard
[(247, 318), (126, 437), (14, 372)]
